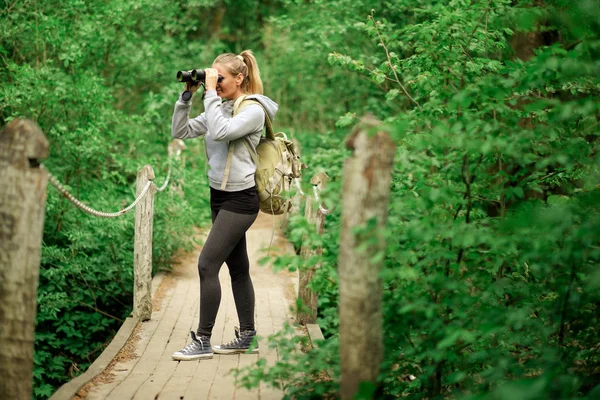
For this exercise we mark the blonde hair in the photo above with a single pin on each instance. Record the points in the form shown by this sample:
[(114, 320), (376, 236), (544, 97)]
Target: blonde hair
[(245, 64)]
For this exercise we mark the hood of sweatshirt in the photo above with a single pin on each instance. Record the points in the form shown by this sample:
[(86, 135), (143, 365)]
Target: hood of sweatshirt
[(270, 106)]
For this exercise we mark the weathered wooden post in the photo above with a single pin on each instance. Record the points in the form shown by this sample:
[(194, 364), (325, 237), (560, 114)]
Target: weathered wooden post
[(308, 313), (142, 251), (366, 192), (175, 148), (297, 199), (294, 205), (22, 208)]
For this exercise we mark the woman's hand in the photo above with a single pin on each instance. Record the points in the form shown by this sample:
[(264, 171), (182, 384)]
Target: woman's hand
[(211, 78), (191, 87)]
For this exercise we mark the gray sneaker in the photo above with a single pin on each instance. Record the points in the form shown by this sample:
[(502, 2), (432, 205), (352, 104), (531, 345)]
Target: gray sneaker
[(241, 344), (199, 348)]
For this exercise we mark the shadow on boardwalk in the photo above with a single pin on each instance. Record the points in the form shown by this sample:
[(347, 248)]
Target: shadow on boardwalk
[(143, 369)]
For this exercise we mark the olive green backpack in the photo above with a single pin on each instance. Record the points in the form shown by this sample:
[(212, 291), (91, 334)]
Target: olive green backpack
[(277, 164)]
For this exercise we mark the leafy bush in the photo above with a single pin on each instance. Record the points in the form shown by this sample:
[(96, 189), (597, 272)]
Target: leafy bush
[(105, 109), (491, 269), (490, 274)]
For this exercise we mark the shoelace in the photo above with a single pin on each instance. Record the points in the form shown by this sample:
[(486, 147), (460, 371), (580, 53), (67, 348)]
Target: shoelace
[(234, 342), (192, 347), (197, 343)]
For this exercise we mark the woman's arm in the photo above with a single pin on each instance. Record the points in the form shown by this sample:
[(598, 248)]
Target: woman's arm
[(182, 126), (250, 119)]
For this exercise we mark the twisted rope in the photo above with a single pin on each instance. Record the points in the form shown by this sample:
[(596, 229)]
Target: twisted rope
[(85, 208), (297, 181), (164, 185), (322, 209)]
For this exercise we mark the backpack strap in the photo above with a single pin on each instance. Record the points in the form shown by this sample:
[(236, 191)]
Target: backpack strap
[(227, 165), (243, 103), (239, 104)]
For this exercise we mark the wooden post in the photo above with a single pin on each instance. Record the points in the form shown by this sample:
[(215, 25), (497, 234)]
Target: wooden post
[(297, 199), (176, 147), (22, 207), (309, 298), (142, 252), (294, 205), (366, 192)]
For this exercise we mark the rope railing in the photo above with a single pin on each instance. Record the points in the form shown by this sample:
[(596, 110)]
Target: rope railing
[(89, 210), (299, 186), (316, 190), (144, 215), (322, 209), (166, 183), (144, 206)]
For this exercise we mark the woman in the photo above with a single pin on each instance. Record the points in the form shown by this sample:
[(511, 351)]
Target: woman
[(234, 201)]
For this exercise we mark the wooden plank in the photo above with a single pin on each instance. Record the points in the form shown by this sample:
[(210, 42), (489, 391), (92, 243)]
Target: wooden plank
[(223, 385), (314, 333), (122, 368), (201, 384), (68, 390), (154, 383), (246, 360), (177, 337), (175, 389), (269, 354), (155, 346), (184, 371)]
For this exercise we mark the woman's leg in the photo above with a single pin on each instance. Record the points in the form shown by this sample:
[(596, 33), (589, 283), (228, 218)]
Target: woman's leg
[(241, 284), (227, 231)]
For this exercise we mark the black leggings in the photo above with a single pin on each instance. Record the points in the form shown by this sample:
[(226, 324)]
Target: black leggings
[(226, 242)]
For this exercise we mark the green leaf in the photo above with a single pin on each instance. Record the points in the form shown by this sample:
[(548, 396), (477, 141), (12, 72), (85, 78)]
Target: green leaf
[(346, 120), (392, 94)]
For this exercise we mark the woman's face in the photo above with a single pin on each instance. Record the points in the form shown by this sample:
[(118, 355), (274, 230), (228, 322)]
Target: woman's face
[(230, 87)]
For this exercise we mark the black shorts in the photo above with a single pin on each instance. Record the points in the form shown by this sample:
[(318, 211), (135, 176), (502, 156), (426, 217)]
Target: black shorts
[(240, 202)]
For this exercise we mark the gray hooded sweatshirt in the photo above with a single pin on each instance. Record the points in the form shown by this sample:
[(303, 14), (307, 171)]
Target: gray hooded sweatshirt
[(219, 128)]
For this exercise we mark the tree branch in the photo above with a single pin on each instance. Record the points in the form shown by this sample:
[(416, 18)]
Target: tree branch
[(101, 312), (397, 80)]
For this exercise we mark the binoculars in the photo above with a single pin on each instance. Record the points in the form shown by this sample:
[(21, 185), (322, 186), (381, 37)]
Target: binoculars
[(195, 76)]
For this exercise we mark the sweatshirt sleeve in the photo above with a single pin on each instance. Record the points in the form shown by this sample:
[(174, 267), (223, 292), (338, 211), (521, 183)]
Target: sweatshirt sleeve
[(220, 128), (182, 126)]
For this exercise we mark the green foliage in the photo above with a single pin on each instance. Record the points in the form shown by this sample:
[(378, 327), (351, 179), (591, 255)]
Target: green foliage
[(491, 265), (492, 247), (104, 100), (283, 374)]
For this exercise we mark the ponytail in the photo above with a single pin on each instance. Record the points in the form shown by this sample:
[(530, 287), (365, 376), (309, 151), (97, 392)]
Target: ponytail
[(254, 83), (244, 64)]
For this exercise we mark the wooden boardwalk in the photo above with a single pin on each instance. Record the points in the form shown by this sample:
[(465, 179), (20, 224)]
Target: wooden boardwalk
[(143, 369)]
